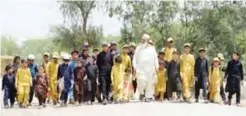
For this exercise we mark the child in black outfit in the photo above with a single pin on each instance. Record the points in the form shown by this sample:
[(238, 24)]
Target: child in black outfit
[(8, 86), (92, 73)]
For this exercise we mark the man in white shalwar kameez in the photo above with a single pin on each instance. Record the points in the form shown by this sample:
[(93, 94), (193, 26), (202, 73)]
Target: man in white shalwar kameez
[(145, 63)]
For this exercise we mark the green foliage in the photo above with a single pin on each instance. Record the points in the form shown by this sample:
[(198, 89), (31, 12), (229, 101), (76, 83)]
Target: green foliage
[(218, 26), (9, 46)]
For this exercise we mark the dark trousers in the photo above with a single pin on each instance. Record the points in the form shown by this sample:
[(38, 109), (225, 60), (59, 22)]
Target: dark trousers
[(91, 94), (64, 95), (9, 94), (79, 91), (31, 94), (197, 90), (222, 93), (238, 94), (134, 82), (41, 99), (105, 86)]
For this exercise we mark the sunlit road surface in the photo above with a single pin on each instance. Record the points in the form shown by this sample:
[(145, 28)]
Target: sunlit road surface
[(131, 109), (134, 108)]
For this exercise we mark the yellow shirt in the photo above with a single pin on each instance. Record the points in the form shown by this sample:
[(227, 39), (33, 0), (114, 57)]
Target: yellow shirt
[(46, 66), (169, 53), (117, 76), (187, 63), (161, 84), (23, 77), (52, 71), (126, 61)]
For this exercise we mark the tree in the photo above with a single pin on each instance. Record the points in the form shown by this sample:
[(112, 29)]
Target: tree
[(9, 46), (76, 15)]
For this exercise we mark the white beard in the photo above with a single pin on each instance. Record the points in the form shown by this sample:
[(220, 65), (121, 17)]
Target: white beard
[(144, 44)]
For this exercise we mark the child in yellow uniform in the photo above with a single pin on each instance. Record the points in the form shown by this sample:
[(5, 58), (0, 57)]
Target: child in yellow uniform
[(117, 79), (160, 87), (187, 63), (52, 78), (214, 81), (23, 83)]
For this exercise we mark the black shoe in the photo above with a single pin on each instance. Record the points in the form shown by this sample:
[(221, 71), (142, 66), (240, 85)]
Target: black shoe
[(197, 101), (229, 102), (12, 106), (105, 102), (44, 105), (141, 97)]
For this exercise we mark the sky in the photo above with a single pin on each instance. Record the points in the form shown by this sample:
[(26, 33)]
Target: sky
[(28, 19)]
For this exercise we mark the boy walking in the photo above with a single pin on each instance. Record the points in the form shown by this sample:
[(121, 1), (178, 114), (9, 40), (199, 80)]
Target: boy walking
[(23, 83), (201, 75), (234, 76), (8, 86)]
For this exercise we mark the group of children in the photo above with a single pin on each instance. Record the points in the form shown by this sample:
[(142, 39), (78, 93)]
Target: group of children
[(184, 74), (82, 78)]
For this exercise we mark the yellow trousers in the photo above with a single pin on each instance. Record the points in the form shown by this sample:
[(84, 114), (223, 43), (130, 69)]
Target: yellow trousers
[(187, 84), (23, 94), (118, 93), (53, 92), (214, 90)]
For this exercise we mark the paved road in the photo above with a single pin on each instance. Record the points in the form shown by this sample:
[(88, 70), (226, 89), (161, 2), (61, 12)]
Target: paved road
[(131, 109)]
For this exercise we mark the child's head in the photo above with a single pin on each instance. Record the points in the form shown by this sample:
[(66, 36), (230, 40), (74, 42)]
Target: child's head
[(187, 47), (46, 57), (30, 58), (161, 64), (91, 60), (235, 56), (161, 54), (175, 55), (16, 60), (216, 61), (95, 51), (8, 68), (118, 59), (24, 63), (66, 58), (125, 49), (202, 52), (41, 69), (79, 63)]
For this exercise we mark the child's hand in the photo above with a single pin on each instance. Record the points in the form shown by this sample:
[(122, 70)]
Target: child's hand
[(85, 78)]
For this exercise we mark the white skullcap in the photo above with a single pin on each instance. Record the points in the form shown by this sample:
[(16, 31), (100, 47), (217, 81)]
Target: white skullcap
[(30, 57), (145, 37)]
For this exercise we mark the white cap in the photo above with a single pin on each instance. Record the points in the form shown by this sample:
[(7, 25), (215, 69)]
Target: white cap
[(169, 39), (145, 37), (46, 54), (66, 57), (30, 57)]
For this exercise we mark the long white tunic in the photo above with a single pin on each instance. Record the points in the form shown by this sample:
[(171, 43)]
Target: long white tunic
[(145, 61)]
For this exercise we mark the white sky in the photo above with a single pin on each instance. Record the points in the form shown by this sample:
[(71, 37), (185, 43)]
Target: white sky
[(24, 19)]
